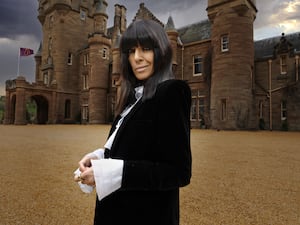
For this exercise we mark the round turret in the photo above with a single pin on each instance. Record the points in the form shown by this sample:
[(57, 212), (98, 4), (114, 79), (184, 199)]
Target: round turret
[(232, 70)]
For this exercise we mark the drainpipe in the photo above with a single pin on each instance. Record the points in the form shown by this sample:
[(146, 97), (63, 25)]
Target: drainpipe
[(270, 94), (297, 67), (182, 49)]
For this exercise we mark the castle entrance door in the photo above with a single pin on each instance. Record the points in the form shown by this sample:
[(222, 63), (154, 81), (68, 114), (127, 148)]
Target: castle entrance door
[(42, 109)]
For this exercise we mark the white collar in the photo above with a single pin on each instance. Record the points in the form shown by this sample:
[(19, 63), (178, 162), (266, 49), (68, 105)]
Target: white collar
[(139, 92)]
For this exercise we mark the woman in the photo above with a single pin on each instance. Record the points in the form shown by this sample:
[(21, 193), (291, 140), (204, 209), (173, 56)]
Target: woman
[(147, 156)]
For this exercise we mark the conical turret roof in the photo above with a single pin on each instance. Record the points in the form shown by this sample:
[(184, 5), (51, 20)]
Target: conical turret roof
[(170, 25)]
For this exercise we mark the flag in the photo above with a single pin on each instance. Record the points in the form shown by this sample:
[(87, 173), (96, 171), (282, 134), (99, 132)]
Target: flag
[(26, 51)]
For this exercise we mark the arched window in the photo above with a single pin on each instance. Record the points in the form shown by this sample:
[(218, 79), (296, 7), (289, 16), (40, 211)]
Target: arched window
[(223, 109), (68, 109)]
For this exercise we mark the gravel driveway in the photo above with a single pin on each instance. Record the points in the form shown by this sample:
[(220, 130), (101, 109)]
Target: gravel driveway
[(239, 178)]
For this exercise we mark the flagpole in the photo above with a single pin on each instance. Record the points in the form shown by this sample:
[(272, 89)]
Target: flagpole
[(18, 63), (23, 52)]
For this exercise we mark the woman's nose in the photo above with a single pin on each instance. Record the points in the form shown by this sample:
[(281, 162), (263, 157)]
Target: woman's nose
[(138, 54)]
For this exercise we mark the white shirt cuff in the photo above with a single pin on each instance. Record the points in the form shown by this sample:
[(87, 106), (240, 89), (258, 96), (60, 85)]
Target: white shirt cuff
[(99, 153), (108, 176)]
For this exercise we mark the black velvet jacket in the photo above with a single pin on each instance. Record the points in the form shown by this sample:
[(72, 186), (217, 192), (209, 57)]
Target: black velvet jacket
[(154, 142)]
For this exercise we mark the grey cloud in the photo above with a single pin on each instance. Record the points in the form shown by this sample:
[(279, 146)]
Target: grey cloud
[(273, 12), (157, 7), (19, 17), (265, 9), (165, 6)]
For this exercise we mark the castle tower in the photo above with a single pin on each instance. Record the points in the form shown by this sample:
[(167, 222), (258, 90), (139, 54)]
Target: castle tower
[(100, 17), (66, 25), (99, 49), (123, 19), (120, 23), (233, 61), (65, 30)]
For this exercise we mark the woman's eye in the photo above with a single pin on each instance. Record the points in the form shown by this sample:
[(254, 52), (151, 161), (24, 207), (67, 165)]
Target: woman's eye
[(131, 51), (146, 49)]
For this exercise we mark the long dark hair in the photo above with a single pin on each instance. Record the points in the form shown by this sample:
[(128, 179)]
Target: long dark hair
[(150, 34)]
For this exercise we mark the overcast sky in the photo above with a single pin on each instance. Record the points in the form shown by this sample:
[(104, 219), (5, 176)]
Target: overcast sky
[(19, 26)]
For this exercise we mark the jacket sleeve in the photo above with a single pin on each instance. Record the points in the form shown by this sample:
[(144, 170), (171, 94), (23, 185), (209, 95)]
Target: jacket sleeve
[(172, 165)]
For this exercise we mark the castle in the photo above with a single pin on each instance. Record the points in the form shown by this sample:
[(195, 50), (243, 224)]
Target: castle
[(236, 83)]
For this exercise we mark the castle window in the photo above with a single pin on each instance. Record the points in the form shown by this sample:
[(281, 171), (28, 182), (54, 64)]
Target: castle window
[(223, 109), (46, 78), (197, 65), (283, 110), (50, 43), (194, 109), (198, 106), (86, 59), (114, 82), (283, 64), (225, 43), (85, 82), (85, 112), (70, 58), (68, 109), (82, 15), (105, 53), (51, 20)]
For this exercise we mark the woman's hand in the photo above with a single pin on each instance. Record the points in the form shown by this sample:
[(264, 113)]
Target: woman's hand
[(87, 173), (85, 162), (87, 177)]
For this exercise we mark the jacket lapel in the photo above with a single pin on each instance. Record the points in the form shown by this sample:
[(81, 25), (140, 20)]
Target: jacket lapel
[(125, 121)]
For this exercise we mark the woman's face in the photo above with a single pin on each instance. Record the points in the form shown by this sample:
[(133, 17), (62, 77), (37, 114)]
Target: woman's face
[(141, 60)]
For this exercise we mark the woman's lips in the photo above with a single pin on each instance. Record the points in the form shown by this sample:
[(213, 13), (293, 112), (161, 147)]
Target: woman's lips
[(141, 68)]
